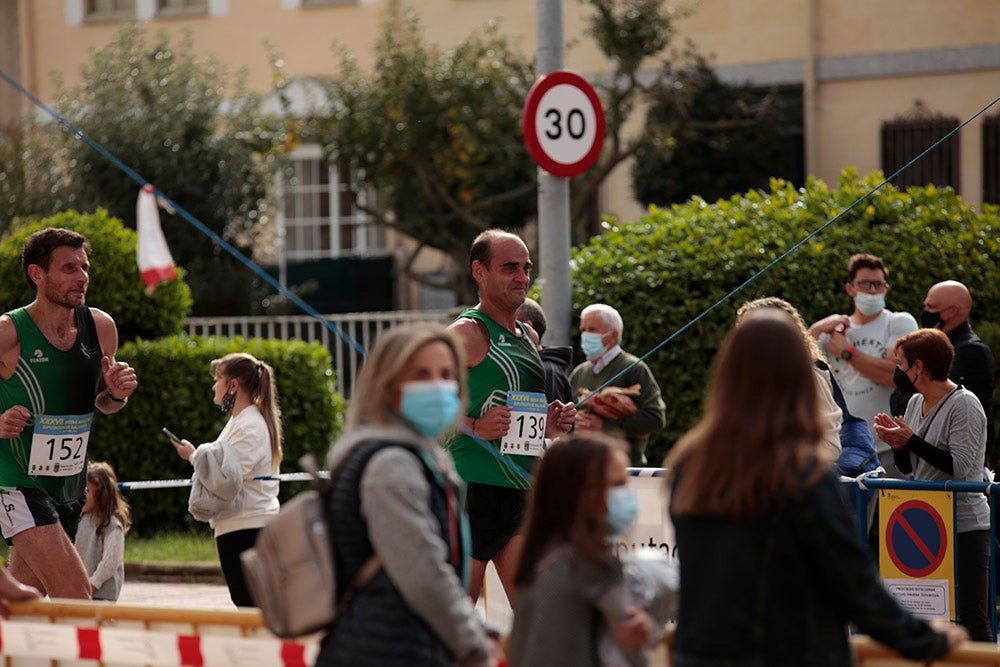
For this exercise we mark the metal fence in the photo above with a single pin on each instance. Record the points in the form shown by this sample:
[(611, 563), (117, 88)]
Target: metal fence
[(860, 487), (363, 328)]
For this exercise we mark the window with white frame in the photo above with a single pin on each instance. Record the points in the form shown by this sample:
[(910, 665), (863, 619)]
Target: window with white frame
[(299, 4), (170, 7), (321, 213), (80, 11), (109, 9)]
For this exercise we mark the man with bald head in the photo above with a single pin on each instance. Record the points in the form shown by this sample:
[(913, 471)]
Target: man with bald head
[(947, 307), (499, 442)]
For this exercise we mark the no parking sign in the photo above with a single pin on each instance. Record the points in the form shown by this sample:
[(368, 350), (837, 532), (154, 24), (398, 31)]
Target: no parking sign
[(916, 550)]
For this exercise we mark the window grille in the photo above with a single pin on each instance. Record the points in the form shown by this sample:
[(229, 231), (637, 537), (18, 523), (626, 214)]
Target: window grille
[(991, 159), (905, 137)]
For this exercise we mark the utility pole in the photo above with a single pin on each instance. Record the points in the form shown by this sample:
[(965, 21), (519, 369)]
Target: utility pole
[(553, 195)]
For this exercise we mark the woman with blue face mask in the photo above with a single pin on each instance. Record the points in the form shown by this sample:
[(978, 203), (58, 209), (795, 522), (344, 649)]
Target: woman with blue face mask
[(399, 531), (570, 580)]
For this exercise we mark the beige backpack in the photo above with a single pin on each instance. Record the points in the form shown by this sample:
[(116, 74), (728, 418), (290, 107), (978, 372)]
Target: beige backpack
[(290, 572)]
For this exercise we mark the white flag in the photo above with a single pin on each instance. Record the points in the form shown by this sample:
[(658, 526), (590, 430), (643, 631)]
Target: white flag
[(155, 262)]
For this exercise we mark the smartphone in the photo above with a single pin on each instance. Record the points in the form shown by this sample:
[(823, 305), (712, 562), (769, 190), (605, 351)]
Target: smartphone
[(171, 435)]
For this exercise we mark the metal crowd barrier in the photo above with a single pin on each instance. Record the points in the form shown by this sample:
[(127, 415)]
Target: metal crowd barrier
[(654, 530)]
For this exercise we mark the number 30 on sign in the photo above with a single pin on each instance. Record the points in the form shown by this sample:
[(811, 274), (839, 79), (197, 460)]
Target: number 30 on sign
[(526, 435), (563, 124)]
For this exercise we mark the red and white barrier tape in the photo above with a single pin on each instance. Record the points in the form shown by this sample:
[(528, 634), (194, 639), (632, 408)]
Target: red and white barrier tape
[(147, 647)]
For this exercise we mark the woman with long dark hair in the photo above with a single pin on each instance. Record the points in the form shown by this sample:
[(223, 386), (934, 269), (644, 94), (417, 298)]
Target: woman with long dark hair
[(570, 580), (771, 569)]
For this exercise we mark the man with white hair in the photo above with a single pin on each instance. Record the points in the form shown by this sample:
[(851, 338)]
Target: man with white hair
[(630, 406)]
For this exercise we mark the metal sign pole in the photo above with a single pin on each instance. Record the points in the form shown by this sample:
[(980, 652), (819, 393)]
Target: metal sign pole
[(553, 195)]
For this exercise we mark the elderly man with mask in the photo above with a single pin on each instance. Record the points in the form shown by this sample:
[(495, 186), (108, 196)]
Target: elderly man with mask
[(631, 406)]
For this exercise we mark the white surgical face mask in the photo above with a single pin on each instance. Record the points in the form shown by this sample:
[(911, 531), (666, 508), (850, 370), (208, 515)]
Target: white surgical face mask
[(869, 304)]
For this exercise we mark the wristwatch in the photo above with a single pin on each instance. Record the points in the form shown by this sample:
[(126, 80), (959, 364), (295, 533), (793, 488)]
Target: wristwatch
[(847, 354)]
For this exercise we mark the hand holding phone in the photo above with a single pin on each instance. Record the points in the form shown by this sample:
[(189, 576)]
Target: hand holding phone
[(171, 435)]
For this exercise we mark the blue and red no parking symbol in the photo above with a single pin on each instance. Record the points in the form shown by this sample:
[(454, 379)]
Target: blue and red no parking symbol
[(916, 538)]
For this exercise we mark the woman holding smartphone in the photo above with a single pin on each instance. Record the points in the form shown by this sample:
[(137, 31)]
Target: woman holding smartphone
[(225, 491)]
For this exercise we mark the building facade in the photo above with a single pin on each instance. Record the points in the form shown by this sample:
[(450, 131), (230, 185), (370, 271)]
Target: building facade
[(878, 82)]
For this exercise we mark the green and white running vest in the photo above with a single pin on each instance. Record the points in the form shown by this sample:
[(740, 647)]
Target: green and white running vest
[(512, 363), (59, 388)]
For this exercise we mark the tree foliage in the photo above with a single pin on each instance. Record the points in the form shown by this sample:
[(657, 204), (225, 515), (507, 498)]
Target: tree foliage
[(701, 136), (638, 37), (437, 134), (664, 271), (183, 122), (115, 285), (712, 141), (27, 174)]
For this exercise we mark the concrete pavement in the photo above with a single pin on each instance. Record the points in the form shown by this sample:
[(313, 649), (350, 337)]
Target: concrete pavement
[(191, 585), (160, 594)]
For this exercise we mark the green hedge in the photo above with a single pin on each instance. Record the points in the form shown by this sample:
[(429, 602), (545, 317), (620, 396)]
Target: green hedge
[(671, 265), (175, 390), (115, 286)]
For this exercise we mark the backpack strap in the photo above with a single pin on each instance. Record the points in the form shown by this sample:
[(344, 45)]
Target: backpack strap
[(365, 573), (459, 533), (838, 395)]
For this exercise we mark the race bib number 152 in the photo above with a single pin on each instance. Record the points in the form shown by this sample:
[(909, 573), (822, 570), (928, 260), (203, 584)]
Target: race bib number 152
[(59, 445)]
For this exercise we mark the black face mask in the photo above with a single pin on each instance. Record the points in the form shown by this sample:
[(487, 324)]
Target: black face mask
[(929, 320), (903, 382)]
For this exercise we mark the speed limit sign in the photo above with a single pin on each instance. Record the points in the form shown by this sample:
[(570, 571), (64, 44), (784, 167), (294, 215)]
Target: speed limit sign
[(563, 123)]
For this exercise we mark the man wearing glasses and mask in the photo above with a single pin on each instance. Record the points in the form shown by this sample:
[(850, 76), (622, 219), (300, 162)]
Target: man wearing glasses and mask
[(859, 347)]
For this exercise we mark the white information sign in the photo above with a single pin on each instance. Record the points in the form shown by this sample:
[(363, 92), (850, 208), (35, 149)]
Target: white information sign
[(924, 598)]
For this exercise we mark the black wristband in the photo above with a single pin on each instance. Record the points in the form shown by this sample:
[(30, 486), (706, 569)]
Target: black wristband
[(113, 397)]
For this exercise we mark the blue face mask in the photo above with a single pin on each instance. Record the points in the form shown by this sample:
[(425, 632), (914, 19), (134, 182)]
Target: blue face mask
[(592, 345), (430, 405), (623, 508)]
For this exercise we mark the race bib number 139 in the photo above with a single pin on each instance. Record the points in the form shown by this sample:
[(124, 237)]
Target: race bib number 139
[(59, 445), (526, 435)]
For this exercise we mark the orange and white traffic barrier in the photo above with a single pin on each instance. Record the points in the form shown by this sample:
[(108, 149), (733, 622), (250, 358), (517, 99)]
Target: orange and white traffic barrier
[(70, 631)]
